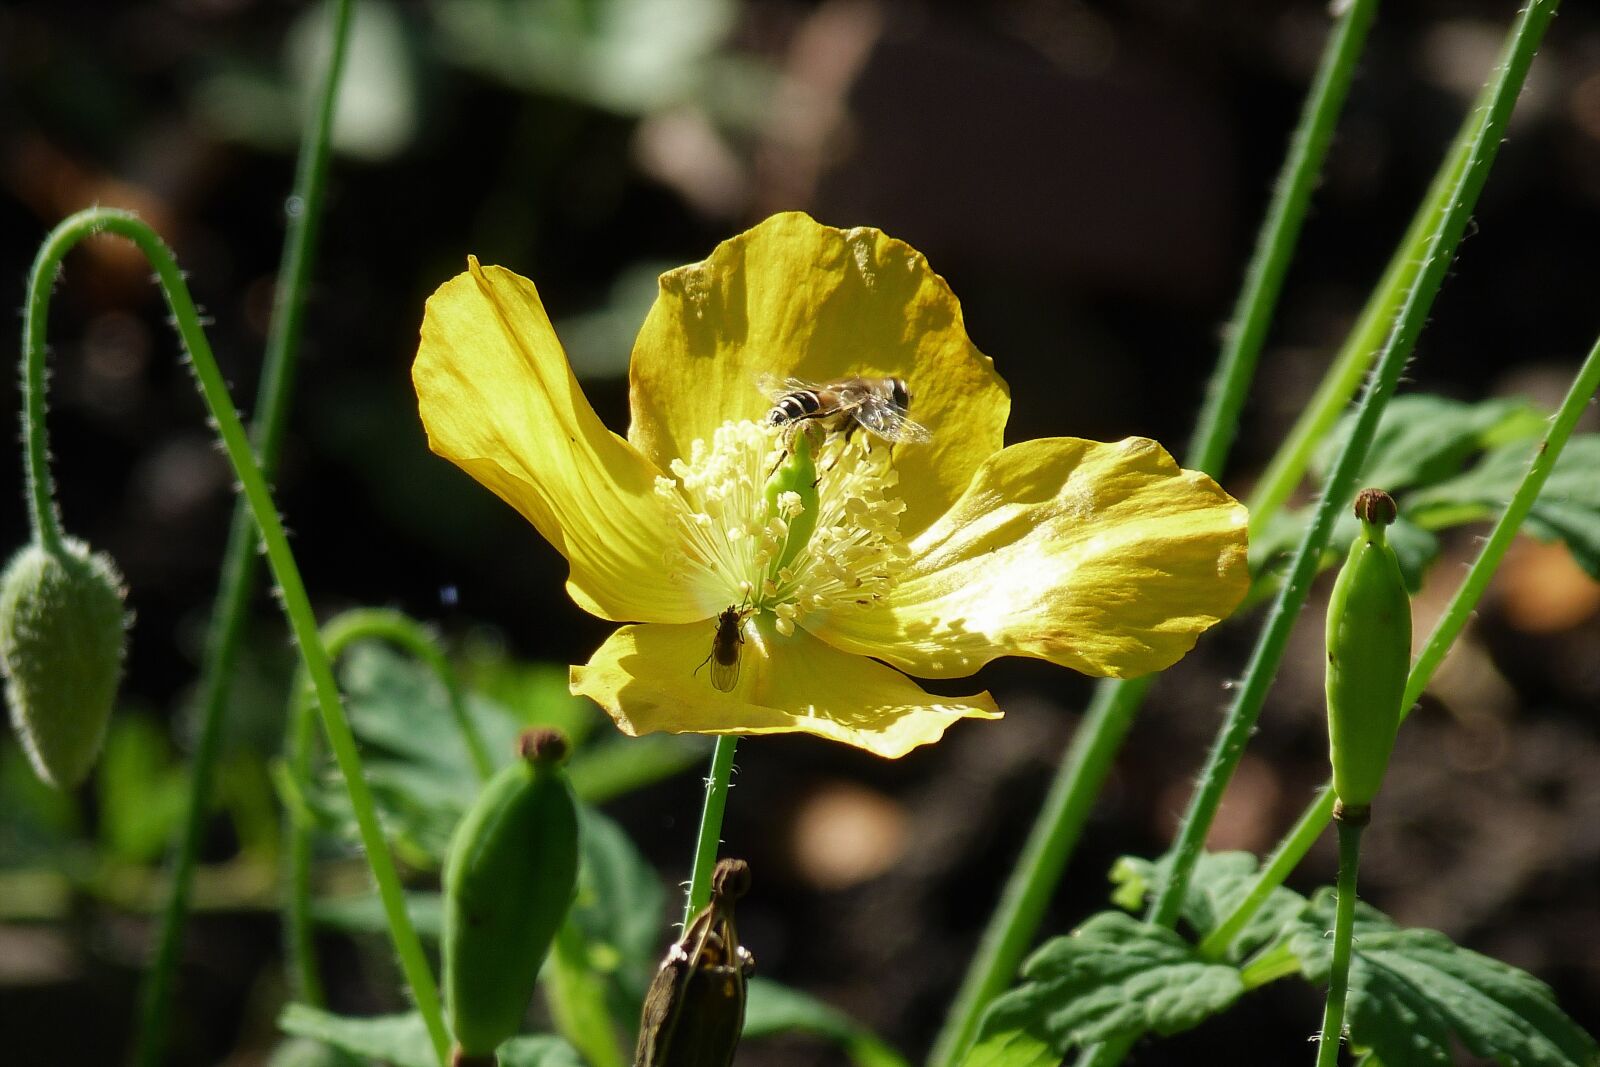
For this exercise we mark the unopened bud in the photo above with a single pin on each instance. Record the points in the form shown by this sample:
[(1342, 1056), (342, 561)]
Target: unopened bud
[(1369, 656), (62, 638), (1376, 507)]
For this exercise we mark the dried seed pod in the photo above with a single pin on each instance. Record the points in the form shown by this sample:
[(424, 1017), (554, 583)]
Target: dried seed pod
[(508, 883), (63, 632), (1369, 656), (694, 1011)]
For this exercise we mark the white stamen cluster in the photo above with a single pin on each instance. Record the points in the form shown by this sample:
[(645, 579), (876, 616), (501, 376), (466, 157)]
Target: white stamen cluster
[(731, 537)]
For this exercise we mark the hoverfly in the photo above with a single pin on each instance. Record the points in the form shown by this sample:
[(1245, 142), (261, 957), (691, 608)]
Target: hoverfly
[(727, 646), (694, 1011), (877, 405)]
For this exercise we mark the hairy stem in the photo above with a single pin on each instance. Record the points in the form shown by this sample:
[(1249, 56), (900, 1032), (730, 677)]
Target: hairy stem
[(710, 836), (340, 633), (292, 592), (1292, 849), (1252, 691), (1083, 769), (240, 566), (1343, 930)]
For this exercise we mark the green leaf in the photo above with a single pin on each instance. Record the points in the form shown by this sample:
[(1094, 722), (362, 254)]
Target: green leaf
[(1423, 439), (1113, 976), (618, 765), (620, 909), (1219, 882), (421, 774), (1567, 509), (771, 1008), (1018, 1047), (304, 1052), (363, 914), (402, 1040), (144, 791), (1414, 992)]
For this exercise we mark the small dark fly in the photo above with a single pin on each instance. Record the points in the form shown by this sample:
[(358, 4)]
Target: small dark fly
[(727, 646)]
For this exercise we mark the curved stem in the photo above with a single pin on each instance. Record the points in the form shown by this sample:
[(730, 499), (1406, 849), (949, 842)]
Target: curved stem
[(42, 513), (291, 589), (1083, 769), (1343, 929), (710, 836), (338, 633), (240, 566), (1454, 619)]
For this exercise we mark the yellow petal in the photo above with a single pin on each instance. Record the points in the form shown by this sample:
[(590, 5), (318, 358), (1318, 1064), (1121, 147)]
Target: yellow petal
[(646, 678), (499, 400), (1106, 558), (793, 298)]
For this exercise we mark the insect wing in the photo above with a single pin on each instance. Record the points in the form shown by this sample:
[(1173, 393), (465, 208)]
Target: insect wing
[(772, 387), (879, 415), (724, 676)]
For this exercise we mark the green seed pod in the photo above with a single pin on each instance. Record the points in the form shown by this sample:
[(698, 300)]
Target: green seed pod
[(1369, 656), (694, 1011), (63, 632), (508, 883), (795, 473)]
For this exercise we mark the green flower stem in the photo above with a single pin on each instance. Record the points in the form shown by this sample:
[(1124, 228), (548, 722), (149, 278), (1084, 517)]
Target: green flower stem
[(710, 836), (1044, 857), (1251, 693), (1247, 331), (291, 589), (1088, 759), (240, 566), (1365, 340), (338, 634), (1314, 820), (1343, 930)]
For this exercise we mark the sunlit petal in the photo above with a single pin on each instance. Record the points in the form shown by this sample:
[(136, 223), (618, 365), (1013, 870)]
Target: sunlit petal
[(793, 298), (499, 400), (1106, 558), (649, 678)]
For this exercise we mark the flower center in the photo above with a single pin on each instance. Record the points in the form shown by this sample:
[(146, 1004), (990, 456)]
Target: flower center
[(740, 545)]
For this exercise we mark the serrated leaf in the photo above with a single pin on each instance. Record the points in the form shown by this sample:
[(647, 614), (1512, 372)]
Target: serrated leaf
[(402, 1040), (1567, 509), (1220, 880), (1113, 976), (771, 1008), (1012, 1047), (1423, 439), (1413, 991)]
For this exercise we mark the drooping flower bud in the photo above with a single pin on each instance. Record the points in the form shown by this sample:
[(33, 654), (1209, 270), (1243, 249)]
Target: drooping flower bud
[(63, 634), (1369, 656)]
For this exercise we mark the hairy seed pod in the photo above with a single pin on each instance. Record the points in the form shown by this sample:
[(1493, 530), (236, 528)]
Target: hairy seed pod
[(694, 1011), (508, 883), (63, 632), (1369, 656)]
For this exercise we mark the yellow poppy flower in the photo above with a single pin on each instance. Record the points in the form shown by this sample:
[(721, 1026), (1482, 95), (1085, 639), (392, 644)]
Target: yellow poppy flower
[(931, 557)]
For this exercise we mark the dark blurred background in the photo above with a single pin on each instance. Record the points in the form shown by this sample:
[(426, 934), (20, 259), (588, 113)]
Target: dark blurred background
[(1088, 177)]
